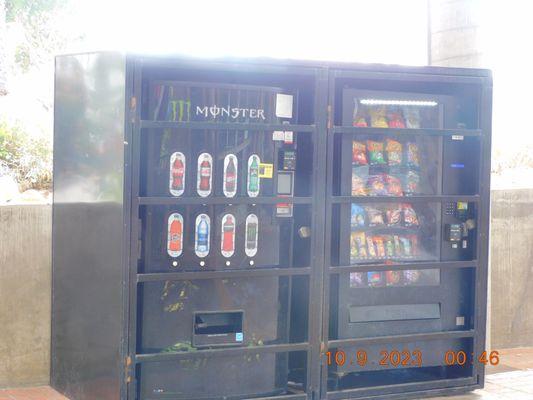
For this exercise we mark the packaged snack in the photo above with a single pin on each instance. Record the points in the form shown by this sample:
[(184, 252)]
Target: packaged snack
[(412, 183), (393, 278), (371, 247), (357, 216), (413, 159), (406, 246), (356, 279), (415, 250), (380, 246), (394, 215), (397, 248), (394, 185), (360, 122), (359, 239), (411, 276), (409, 215), (376, 185), (359, 153), (375, 278), (389, 246), (378, 117), (412, 117), (354, 248), (358, 183), (375, 152), (394, 152), (395, 119), (375, 216)]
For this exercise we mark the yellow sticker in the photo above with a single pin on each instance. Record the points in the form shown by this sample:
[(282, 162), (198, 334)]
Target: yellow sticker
[(266, 170)]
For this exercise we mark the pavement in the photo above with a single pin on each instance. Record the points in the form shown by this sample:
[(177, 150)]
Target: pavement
[(511, 379)]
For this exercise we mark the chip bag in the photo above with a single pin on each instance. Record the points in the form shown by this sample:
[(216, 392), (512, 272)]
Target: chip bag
[(357, 216), (380, 246), (413, 158), (371, 247), (394, 215), (359, 239), (409, 215), (375, 278), (395, 120), (378, 117), (376, 185), (393, 278), (394, 186), (375, 216), (412, 117), (375, 152), (358, 183), (412, 183), (389, 246), (356, 279), (394, 152), (359, 153), (411, 276), (406, 246)]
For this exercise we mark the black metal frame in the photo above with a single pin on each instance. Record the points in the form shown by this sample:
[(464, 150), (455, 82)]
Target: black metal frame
[(314, 271), (479, 264)]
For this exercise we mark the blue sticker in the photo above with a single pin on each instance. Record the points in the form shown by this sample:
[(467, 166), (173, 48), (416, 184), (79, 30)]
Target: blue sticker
[(239, 337), (457, 165)]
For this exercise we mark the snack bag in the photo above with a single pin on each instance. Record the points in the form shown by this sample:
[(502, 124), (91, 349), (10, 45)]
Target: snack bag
[(354, 248), (389, 246), (406, 246), (358, 183), (360, 122), (356, 279), (413, 158), (411, 276), (375, 278), (395, 120), (394, 152), (409, 215), (359, 153), (412, 183), (393, 278), (394, 186), (378, 118), (397, 248), (412, 117), (380, 246), (360, 243), (375, 216), (394, 215), (357, 216), (371, 247), (376, 185), (375, 152)]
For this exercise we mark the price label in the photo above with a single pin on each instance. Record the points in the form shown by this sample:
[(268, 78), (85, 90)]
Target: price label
[(266, 170)]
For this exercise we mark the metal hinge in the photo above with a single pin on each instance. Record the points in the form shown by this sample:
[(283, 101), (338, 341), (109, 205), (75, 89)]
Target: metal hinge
[(330, 122), (128, 370), (133, 106)]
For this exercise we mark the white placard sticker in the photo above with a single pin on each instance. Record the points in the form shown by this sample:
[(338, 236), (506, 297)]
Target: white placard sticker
[(288, 137), (283, 105), (278, 136), (457, 137)]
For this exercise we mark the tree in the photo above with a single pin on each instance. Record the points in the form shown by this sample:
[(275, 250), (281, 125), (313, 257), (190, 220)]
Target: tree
[(3, 57)]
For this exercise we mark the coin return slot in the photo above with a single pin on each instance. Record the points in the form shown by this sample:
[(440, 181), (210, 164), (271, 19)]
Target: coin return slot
[(218, 329)]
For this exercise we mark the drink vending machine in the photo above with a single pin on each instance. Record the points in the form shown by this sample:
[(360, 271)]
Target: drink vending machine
[(234, 229)]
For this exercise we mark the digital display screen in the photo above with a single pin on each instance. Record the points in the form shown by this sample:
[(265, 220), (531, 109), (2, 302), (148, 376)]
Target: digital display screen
[(285, 185)]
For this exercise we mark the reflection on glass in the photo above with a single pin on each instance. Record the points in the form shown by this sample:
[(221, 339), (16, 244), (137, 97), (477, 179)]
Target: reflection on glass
[(395, 278)]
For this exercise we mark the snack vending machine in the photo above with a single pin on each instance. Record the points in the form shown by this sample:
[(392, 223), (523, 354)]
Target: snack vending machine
[(235, 229)]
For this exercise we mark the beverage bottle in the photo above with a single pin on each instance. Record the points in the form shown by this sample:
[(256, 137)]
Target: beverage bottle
[(203, 236), (227, 235), (205, 174), (231, 176), (251, 235), (253, 183), (175, 236), (177, 174)]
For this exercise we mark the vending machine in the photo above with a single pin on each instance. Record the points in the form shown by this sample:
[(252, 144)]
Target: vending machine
[(235, 229)]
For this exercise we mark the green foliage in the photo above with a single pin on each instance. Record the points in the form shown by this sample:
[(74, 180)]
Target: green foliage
[(28, 159), (27, 9)]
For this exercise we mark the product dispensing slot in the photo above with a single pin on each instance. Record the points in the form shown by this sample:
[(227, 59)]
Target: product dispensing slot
[(396, 312), (211, 329)]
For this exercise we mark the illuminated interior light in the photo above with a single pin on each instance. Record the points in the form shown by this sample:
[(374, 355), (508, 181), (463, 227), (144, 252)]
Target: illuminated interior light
[(382, 102)]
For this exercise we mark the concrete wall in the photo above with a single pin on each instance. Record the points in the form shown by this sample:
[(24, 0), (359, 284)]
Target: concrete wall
[(25, 286), (454, 33), (512, 268)]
